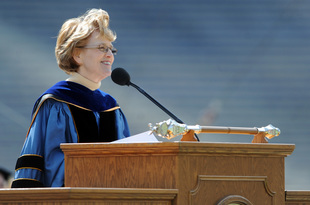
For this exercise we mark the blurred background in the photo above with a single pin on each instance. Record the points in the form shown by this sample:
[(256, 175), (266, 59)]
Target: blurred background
[(210, 62)]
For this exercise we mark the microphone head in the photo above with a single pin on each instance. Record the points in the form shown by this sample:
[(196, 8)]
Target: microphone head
[(120, 76)]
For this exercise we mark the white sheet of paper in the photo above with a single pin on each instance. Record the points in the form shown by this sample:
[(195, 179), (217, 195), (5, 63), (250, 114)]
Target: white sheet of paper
[(139, 138)]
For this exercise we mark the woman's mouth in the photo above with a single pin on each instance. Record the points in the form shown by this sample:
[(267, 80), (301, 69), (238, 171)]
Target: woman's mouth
[(106, 62)]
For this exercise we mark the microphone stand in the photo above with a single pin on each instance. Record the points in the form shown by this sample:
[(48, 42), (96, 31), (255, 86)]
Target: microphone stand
[(159, 105)]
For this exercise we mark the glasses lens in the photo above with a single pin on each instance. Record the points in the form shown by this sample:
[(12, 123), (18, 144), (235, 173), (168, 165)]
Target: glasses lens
[(114, 51), (105, 49)]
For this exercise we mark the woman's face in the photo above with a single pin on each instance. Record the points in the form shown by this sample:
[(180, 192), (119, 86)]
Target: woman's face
[(95, 65)]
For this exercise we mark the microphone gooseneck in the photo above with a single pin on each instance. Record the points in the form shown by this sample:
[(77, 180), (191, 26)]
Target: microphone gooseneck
[(121, 77), (156, 103)]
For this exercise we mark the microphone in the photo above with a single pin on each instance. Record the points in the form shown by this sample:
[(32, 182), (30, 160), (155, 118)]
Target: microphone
[(121, 77)]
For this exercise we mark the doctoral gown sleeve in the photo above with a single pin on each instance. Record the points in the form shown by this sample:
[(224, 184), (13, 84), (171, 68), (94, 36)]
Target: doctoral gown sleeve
[(41, 163), (121, 124)]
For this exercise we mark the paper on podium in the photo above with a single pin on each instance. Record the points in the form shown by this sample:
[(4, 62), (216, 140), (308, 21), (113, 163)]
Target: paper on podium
[(147, 136)]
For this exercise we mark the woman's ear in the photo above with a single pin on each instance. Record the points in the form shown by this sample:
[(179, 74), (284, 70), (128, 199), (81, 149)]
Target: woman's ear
[(76, 55)]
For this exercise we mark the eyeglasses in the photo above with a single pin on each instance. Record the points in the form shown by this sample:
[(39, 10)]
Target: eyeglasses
[(101, 48)]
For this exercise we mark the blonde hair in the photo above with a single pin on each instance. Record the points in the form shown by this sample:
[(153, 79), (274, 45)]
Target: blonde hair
[(75, 32)]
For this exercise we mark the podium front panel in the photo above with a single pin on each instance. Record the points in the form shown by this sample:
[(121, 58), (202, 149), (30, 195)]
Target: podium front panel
[(199, 171)]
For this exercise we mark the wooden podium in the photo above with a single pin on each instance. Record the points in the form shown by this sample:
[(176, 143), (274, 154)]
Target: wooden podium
[(199, 173)]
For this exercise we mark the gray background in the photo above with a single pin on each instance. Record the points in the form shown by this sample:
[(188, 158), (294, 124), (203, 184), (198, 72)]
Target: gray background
[(210, 62)]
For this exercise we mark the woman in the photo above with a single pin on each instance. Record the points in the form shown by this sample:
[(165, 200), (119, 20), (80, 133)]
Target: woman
[(74, 110)]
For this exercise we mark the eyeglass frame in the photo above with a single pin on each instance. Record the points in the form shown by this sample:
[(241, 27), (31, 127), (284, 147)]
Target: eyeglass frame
[(101, 48)]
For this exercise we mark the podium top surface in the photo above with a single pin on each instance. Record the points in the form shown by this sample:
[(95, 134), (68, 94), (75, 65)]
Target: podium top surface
[(178, 148)]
